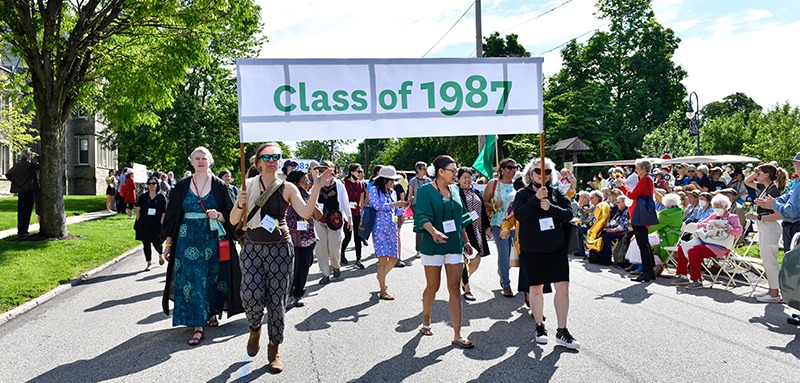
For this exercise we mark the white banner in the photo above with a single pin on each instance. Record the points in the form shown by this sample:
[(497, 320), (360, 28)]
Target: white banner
[(139, 173), (318, 99)]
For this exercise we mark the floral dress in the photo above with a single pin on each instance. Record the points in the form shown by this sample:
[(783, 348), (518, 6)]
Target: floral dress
[(201, 283), (385, 232)]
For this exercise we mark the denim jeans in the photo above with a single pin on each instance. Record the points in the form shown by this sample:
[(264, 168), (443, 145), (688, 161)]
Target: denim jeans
[(503, 254), (582, 232)]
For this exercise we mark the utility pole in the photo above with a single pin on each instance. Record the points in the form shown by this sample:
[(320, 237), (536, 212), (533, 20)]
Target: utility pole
[(479, 53)]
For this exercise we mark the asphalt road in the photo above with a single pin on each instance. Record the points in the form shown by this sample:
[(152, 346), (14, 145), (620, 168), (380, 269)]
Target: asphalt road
[(111, 328)]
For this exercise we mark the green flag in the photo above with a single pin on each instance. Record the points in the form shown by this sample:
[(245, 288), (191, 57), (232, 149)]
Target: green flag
[(484, 164)]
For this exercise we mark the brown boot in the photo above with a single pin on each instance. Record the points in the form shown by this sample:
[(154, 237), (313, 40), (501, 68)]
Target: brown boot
[(274, 358), (253, 342)]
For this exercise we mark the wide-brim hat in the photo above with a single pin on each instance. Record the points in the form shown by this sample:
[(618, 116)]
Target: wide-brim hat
[(388, 172), (729, 191)]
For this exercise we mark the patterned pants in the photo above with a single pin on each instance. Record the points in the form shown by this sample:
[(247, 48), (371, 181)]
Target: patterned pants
[(266, 274)]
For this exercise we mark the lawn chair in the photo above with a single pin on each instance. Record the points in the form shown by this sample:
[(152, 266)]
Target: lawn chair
[(673, 250), (751, 269)]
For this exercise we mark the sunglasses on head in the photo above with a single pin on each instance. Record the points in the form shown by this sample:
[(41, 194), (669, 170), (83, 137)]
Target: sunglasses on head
[(539, 171), (275, 157)]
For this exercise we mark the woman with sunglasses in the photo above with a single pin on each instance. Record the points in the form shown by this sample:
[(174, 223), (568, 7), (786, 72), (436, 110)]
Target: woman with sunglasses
[(195, 222), (442, 219), (355, 195), (267, 249), (150, 208), (542, 211), (498, 196)]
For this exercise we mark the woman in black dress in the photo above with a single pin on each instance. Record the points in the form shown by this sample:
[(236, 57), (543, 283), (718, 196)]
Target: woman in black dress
[(478, 231), (542, 211), (150, 208)]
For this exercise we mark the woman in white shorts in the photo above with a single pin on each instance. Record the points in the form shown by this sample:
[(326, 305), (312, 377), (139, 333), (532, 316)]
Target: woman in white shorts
[(442, 218)]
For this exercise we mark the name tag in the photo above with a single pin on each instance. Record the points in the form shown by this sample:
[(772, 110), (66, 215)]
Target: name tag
[(302, 225), (546, 224), (269, 223), (449, 226), (473, 215), (395, 218), (151, 211), (353, 205)]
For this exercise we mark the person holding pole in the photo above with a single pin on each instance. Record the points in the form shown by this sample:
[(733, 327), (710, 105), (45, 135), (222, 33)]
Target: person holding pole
[(267, 250), (442, 219), (542, 211)]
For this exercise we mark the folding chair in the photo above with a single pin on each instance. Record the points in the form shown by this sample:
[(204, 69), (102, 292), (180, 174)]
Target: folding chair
[(745, 266), (673, 250)]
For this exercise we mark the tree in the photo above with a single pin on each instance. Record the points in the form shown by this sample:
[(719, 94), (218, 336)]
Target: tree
[(619, 85), (321, 150), (495, 46), (15, 114), (731, 104), (133, 50), (777, 136)]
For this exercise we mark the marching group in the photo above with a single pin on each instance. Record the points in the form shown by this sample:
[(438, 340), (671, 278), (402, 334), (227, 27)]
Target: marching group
[(283, 219)]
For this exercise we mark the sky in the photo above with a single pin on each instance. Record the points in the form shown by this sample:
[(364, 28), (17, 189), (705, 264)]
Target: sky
[(726, 46)]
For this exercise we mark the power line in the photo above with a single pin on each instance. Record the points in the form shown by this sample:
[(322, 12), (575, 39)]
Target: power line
[(576, 37), (539, 15), (451, 28)]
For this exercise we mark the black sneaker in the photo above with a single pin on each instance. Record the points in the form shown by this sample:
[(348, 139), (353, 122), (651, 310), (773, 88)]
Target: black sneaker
[(359, 265), (337, 273), (564, 338), (541, 334), (324, 280), (399, 264), (343, 260)]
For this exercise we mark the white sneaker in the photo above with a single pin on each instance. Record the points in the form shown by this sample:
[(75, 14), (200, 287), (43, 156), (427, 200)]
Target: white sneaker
[(766, 298), (418, 255), (565, 339), (541, 334)]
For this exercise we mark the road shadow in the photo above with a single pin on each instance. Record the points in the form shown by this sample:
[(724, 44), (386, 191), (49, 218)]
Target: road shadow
[(498, 308), (633, 294), (153, 318), (774, 320), (107, 278), (323, 318), (405, 364), (152, 276), (125, 301), (126, 358)]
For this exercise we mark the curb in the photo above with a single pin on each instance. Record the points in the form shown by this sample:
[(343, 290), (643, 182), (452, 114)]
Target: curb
[(29, 305)]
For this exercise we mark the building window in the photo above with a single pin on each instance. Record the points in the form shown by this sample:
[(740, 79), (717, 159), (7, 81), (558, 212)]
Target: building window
[(5, 159), (83, 151)]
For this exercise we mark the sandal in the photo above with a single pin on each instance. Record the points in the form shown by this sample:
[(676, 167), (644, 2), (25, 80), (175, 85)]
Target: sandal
[(469, 297), (426, 330), (463, 343), (213, 322), (386, 296), (195, 340)]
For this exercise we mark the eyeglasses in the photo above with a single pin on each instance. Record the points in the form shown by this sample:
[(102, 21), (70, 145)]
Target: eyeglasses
[(539, 171), (513, 167), (152, 183), (275, 157), (450, 170)]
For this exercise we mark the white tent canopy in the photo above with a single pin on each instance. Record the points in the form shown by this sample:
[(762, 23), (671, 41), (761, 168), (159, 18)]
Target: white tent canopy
[(723, 159)]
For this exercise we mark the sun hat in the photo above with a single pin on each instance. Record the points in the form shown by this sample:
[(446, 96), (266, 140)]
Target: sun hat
[(388, 172), (795, 159)]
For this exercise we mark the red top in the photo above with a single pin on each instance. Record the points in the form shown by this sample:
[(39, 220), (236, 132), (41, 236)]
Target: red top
[(128, 189), (354, 192), (644, 188)]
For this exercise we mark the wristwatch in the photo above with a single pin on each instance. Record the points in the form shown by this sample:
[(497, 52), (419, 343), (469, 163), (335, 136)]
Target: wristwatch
[(759, 217)]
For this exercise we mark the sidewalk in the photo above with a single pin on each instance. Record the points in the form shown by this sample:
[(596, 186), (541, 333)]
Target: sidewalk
[(70, 220)]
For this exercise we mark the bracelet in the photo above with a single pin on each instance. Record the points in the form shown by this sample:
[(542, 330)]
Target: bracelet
[(238, 206), (167, 244)]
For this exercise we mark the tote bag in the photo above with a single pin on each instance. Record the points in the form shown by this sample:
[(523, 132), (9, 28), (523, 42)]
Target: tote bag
[(367, 222), (645, 212)]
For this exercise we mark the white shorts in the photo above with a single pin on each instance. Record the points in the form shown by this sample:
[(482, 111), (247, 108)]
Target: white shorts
[(441, 260)]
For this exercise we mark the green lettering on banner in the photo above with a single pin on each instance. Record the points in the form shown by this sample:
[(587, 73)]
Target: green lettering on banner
[(382, 99), (359, 98), (479, 91), (303, 103), (321, 101), (506, 85), (405, 90), (429, 87), (457, 98), (277, 98), (340, 101)]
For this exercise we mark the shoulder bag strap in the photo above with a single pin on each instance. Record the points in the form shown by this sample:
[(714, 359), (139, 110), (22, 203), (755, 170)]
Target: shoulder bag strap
[(264, 197)]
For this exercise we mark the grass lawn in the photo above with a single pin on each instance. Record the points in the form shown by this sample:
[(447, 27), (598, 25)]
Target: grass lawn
[(755, 252), (29, 269), (73, 204)]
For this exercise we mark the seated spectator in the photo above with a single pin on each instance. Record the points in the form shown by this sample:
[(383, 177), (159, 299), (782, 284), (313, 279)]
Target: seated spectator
[(615, 230), (658, 196), (583, 214), (601, 216), (737, 184), (667, 173), (661, 182), (691, 172), (704, 204), (691, 211), (692, 253), (682, 179), (703, 183), (716, 179)]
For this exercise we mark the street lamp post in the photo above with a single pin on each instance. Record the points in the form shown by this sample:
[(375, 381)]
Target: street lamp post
[(691, 115)]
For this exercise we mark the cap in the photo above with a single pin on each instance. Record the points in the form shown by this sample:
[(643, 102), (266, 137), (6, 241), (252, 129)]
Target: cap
[(795, 159), (388, 172), (729, 191), (420, 165), (749, 166), (325, 165)]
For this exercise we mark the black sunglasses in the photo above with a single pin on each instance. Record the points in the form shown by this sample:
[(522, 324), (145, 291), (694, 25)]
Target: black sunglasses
[(515, 167), (539, 171), (359, 171), (275, 157)]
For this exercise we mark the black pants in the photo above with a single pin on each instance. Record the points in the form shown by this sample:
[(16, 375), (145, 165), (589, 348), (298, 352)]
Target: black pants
[(353, 234), (24, 211), (789, 230), (644, 247), (303, 258), (148, 249), (120, 203)]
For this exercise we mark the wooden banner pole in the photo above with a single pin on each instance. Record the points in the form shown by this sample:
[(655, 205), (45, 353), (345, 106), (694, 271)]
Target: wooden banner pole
[(244, 175)]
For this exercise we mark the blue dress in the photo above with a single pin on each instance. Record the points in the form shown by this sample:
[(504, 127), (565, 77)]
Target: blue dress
[(385, 232), (201, 282)]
